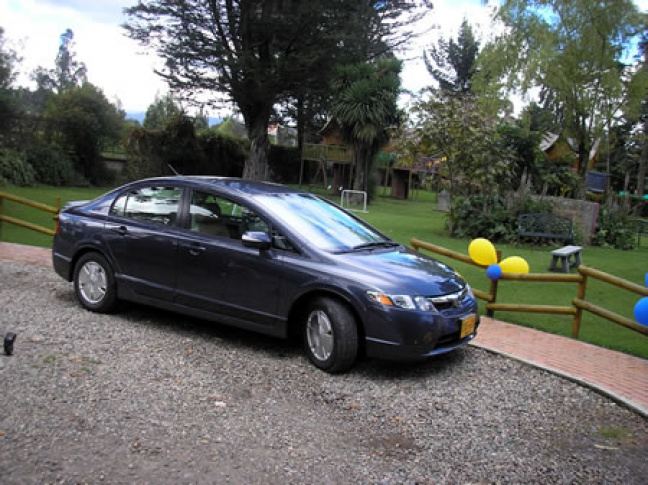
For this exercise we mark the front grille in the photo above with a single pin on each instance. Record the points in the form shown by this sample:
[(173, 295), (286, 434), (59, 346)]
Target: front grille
[(445, 302)]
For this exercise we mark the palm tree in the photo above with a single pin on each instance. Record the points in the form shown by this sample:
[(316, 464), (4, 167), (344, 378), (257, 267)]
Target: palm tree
[(364, 107)]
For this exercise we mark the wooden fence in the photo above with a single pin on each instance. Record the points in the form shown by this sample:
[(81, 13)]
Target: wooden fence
[(579, 304), (30, 203)]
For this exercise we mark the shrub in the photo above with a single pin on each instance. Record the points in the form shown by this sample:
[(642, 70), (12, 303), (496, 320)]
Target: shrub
[(15, 169), (490, 217), (53, 166), (615, 227)]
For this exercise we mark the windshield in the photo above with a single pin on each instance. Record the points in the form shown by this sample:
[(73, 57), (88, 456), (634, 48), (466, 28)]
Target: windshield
[(321, 223)]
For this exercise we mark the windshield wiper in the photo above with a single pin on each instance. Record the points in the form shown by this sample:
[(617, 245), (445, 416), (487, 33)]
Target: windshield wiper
[(375, 244)]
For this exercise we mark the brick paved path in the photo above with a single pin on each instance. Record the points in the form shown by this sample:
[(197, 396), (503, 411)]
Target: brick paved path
[(620, 376)]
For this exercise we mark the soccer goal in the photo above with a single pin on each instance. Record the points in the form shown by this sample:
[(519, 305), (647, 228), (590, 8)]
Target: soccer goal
[(354, 200)]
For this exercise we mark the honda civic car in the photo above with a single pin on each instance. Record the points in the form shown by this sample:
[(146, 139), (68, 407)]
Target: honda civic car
[(266, 258)]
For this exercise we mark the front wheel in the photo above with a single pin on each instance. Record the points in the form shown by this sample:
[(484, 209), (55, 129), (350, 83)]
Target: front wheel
[(94, 283), (330, 335)]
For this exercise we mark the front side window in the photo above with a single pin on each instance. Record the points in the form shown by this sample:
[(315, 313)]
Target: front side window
[(217, 216), (158, 205)]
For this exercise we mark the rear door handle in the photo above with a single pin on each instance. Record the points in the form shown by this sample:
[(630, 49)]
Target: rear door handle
[(121, 230)]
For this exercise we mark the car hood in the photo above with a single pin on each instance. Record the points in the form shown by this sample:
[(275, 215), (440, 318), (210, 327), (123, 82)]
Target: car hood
[(403, 271)]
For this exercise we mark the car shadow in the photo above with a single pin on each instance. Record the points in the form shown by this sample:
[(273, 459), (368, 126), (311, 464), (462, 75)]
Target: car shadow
[(239, 339)]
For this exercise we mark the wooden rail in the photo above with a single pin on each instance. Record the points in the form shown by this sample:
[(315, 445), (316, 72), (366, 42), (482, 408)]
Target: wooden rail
[(579, 303), (30, 203)]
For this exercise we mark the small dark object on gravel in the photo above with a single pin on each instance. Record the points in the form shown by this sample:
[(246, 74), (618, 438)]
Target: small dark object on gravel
[(9, 340)]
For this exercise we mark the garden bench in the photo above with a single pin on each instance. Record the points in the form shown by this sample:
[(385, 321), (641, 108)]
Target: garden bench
[(545, 226), (642, 230), (564, 256)]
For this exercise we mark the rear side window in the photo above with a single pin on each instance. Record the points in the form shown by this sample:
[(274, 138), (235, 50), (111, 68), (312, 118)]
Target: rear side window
[(158, 204)]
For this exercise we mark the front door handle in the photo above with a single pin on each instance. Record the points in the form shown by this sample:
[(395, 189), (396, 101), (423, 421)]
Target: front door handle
[(121, 230), (195, 249)]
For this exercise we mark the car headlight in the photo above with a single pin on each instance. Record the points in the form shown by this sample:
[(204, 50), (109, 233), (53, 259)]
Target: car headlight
[(406, 302)]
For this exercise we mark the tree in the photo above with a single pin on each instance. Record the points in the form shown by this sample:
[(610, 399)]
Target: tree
[(67, 73), (452, 63), (161, 112), (255, 52), (460, 132), (573, 50), (85, 121), (364, 107), (8, 61)]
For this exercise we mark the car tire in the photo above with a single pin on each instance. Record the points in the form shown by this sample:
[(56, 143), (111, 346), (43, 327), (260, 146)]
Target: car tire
[(330, 335), (94, 283)]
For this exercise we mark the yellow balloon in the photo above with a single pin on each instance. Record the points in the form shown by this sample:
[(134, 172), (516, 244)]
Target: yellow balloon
[(482, 252), (514, 264)]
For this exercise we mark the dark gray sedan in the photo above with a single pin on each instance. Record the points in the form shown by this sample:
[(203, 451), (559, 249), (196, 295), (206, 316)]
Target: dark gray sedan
[(267, 258)]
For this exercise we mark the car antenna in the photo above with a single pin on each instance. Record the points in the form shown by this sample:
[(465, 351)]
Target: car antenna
[(175, 172)]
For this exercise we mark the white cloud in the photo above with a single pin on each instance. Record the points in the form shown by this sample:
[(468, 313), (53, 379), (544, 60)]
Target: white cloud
[(113, 60)]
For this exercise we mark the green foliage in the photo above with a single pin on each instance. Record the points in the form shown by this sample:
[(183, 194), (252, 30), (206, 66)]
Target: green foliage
[(8, 62), (53, 166), (574, 50), (208, 153), (364, 107), (497, 224), (615, 227), (14, 169), (460, 132), (68, 73), (85, 121), (161, 112), (452, 63), (8, 105), (224, 154)]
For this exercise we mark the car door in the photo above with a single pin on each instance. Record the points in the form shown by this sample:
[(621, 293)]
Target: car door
[(217, 273), (142, 236)]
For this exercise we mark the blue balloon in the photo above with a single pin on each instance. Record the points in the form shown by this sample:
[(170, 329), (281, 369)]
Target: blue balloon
[(494, 272), (641, 311), (646, 279)]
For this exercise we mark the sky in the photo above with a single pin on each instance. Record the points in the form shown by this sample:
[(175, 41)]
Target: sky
[(124, 70)]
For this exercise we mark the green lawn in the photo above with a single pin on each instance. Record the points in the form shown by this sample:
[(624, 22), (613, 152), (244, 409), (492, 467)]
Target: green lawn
[(418, 218)]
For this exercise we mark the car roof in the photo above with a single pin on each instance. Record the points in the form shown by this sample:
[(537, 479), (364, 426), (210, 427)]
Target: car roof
[(229, 184)]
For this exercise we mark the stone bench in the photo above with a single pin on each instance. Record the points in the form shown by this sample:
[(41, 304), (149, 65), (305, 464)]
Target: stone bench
[(564, 256)]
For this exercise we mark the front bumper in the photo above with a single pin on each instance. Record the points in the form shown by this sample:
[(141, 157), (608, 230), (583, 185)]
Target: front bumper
[(414, 335)]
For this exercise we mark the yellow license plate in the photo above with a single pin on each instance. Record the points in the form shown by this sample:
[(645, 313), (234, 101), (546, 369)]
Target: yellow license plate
[(468, 325)]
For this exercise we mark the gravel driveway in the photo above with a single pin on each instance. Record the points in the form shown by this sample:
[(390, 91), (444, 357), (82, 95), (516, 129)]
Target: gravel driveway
[(145, 396)]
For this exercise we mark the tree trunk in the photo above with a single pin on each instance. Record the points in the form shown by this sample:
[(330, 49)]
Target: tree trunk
[(256, 163), (641, 174), (583, 166), (361, 176)]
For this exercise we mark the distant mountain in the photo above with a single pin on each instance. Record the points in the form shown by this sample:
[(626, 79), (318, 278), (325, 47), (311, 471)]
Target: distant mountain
[(140, 115), (136, 115)]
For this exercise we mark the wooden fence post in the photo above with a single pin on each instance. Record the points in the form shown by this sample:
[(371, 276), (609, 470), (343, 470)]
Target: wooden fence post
[(582, 287), (493, 288), (1, 214)]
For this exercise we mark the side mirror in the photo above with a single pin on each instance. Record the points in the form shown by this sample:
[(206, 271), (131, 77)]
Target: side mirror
[(256, 240)]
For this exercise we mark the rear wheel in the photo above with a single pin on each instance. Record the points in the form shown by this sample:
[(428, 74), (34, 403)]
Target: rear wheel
[(330, 335), (94, 283)]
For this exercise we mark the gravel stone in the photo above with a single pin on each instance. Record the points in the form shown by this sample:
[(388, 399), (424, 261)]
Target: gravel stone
[(146, 396)]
